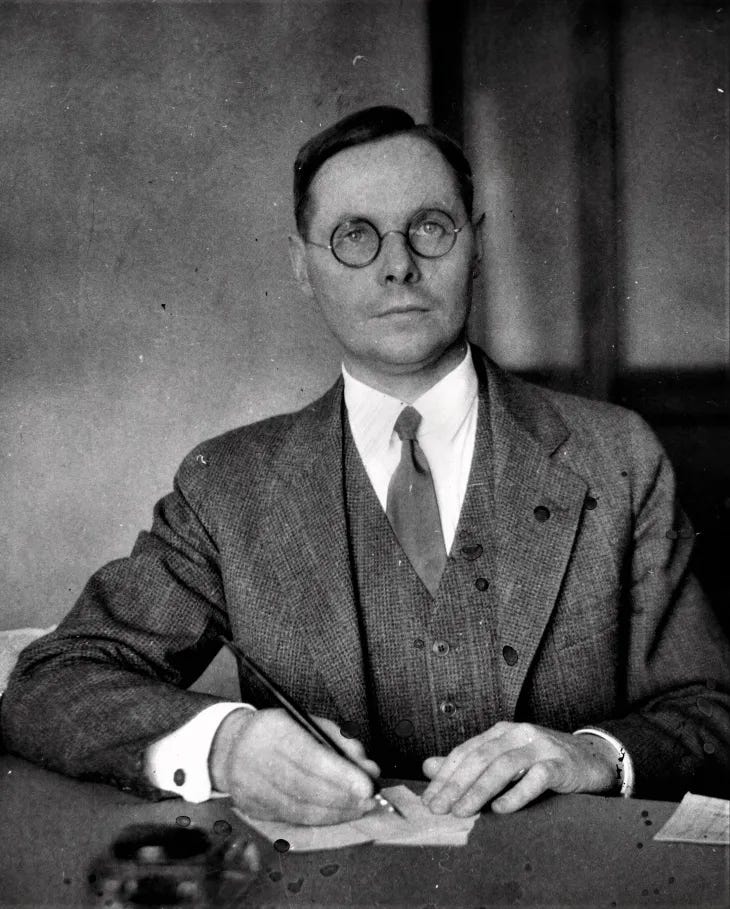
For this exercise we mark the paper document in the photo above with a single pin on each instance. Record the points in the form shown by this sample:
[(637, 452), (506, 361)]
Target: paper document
[(698, 819), (418, 827)]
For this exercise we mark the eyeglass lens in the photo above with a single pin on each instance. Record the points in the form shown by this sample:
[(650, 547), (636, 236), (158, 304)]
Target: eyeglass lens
[(431, 233)]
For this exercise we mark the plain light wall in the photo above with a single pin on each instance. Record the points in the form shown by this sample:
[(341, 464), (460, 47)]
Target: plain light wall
[(674, 152), (672, 135), (520, 140), (145, 202)]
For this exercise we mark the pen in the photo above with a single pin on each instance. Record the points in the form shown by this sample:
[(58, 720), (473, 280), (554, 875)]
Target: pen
[(300, 715)]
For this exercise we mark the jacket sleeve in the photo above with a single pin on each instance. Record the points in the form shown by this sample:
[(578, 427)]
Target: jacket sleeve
[(89, 698), (677, 657)]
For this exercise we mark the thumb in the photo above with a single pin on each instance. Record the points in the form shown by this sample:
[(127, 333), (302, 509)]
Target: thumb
[(431, 766)]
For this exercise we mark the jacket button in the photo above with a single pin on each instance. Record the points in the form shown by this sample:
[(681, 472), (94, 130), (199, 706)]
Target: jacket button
[(441, 648), (541, 513), (590, 503), (481, 584), (447, 707), (178, 777), (419, 644), (510, 655), (350, 730), (472, 551)]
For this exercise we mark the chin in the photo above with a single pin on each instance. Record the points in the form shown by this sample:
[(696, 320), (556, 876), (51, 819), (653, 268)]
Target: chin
[(417, 352)]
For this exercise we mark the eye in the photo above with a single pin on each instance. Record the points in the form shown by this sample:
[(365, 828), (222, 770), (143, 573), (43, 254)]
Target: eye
[(431, 229), (353, 233), (431, 225)]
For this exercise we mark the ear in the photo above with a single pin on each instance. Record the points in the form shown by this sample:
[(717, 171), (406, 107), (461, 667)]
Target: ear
[(476, 264), (298, 259)]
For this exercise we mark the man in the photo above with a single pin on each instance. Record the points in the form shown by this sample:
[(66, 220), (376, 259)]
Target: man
[(560, 645)]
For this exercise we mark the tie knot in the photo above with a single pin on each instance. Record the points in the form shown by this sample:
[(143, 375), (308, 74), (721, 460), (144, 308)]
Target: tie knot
[(406, 426)]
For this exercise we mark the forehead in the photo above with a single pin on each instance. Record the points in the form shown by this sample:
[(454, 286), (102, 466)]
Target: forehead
[(388, 177)]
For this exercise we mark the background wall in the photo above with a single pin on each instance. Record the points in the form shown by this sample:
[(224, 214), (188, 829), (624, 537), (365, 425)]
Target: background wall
[(146, 297), (145, 202)]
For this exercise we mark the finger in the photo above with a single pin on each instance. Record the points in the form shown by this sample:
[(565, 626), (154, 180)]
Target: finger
[(289, 793), (320, 775), (279, 764), (538, 779), (353, 748), (288, 744), (442, 766), (458, 771), (432, 765), (451, 790), (451, 779), (313, 793), (504, 770), (321, 815)]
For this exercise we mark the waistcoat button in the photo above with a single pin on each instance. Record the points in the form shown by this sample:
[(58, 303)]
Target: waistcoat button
[(510, 655), (591, 503), (441, 647), (481, 584), (541, 513), (472, 551)]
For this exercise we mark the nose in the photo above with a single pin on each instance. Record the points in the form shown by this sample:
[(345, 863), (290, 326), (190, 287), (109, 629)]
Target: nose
[(396, 261)]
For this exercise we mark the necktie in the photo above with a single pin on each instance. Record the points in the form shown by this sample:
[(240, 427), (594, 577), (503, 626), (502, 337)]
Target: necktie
[(412, 508)]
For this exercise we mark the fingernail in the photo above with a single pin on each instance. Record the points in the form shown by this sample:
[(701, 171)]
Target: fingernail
[(366, 805), (462, 811), (437, 806)]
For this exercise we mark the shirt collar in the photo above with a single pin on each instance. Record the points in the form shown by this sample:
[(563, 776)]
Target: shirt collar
[(444, 407)]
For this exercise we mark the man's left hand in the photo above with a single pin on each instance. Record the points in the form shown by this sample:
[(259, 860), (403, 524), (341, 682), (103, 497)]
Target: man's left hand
[(511, 764)]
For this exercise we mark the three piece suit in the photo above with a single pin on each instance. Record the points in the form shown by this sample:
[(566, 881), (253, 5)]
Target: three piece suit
[(566, 600)]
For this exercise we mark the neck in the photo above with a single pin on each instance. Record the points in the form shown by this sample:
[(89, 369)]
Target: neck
[(409, 383)]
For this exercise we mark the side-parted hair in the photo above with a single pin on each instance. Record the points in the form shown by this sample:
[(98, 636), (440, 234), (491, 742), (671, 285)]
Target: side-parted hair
[(369, 125)]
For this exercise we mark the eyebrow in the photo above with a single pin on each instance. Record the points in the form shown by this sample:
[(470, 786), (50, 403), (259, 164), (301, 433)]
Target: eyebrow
[(352, 216)]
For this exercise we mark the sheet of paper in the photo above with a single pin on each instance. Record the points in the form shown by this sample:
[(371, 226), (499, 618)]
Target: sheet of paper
[(418, 827), (698, 819)]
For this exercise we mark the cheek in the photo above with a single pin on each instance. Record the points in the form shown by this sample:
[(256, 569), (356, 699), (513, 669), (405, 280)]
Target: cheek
[(454, 290), (340, 303)]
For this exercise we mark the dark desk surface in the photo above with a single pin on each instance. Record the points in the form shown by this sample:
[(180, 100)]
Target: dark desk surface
[(567, 850)]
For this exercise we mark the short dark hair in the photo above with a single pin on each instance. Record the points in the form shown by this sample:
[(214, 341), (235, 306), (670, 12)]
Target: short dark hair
[(369, 125)]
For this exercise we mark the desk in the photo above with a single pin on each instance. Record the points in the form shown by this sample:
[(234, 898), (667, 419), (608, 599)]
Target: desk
[(566, 851)]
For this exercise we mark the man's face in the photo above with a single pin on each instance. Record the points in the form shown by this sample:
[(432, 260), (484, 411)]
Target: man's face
[(402, 313)]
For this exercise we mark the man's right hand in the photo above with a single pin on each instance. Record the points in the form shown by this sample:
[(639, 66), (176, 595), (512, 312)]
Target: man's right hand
[(274, 770)]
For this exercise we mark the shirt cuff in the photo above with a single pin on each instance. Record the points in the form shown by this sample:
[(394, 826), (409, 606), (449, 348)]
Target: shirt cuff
[(179, 762), (624, 764)]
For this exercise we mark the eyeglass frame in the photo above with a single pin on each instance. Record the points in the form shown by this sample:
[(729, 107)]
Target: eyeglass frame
[(455, 231)]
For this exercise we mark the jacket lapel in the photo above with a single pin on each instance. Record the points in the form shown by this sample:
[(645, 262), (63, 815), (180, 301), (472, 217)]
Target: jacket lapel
[(307, 526), (538, 504)]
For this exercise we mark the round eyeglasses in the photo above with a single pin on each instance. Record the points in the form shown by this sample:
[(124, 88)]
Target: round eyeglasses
[(430, 233)]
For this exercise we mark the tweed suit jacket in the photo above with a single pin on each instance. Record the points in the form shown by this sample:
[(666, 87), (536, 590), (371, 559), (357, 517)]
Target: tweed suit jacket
[(595, 599)]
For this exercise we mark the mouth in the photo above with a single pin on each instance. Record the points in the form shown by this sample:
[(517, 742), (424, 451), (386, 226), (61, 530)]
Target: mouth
[(402, 310)]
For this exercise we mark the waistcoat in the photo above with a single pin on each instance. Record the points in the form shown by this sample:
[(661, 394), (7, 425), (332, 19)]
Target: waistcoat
[(430, 663)]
